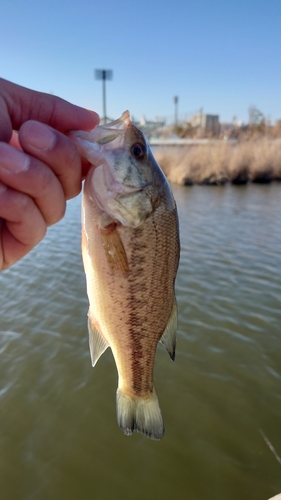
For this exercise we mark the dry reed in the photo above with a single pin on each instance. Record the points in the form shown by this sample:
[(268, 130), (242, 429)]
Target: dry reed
[(218, 163)]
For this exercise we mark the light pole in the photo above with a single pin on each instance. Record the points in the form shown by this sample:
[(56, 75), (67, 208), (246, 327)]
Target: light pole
[(176, 101), (103, 74)]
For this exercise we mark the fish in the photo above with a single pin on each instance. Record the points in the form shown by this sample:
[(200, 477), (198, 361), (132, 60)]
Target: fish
[(130, 249)]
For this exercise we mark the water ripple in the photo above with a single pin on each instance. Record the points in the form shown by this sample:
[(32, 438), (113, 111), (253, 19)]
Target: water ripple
[(56, 412)]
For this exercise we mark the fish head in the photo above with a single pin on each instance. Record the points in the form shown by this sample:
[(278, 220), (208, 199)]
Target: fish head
[(123, 180)]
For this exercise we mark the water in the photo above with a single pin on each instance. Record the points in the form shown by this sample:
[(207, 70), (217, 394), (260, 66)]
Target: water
[(221, 399)]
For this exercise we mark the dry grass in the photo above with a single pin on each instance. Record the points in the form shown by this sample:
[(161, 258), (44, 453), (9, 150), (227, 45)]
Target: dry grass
[(218, 163)]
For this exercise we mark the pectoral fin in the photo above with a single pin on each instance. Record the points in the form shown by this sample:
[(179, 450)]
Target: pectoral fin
[(96, 342), (168, 338), (114, 249)]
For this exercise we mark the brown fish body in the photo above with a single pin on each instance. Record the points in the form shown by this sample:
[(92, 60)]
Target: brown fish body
[(130, 283)]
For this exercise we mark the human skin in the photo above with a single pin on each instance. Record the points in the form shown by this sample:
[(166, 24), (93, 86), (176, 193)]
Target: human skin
[(40, 167)]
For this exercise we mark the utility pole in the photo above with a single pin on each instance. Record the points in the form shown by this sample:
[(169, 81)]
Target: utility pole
[(103, 74), (176, 101)]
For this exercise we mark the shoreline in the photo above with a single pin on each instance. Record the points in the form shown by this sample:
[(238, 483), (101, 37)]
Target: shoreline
[(220, 162)]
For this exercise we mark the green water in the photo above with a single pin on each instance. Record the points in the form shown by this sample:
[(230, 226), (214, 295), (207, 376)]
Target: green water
[(221, 399)]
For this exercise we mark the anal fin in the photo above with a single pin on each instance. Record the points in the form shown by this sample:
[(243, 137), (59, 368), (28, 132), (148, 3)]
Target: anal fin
[(96, 342), (168, 338)]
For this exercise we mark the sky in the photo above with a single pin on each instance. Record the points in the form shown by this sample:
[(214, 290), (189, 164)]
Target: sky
[(221, 56)]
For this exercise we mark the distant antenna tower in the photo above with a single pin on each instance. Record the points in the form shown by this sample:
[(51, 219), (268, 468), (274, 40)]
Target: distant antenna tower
[(103, 74)]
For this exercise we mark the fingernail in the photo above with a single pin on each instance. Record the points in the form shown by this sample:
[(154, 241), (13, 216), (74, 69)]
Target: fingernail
[(38, 135), (12, 160)]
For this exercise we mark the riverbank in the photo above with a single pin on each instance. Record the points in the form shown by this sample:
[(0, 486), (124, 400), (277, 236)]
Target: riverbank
[(220, 162)]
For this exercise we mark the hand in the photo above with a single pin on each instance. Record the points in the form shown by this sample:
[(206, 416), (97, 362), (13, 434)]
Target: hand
[(40, 168)]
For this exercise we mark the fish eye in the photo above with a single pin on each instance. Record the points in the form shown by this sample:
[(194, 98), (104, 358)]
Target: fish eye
[(138, 151)]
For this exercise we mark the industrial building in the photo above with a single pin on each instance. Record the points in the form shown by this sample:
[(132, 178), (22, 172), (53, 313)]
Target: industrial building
[(207, 123)]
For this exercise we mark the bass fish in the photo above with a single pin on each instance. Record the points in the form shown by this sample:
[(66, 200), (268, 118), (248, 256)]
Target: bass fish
[(130, 247)]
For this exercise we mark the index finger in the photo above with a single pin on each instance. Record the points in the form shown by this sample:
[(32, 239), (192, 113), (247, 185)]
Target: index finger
[(19, 104)]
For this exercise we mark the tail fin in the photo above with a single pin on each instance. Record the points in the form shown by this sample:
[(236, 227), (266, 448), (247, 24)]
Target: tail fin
[(141, 415)]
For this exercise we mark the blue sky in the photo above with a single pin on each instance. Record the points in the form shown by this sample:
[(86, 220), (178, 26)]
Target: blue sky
[(219, 55)]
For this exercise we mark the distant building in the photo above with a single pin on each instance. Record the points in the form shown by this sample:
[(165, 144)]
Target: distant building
[(208, 123), (143, 122), (150, 127)]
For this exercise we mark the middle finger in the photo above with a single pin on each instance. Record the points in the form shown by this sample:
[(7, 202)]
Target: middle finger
[(31, 176)]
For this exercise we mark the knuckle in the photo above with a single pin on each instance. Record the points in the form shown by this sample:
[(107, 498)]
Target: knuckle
[(45, 181)]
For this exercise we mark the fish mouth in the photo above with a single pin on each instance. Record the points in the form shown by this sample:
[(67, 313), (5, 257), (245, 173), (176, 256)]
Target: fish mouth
[(92, 143), (124, 119), (103, 134)]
